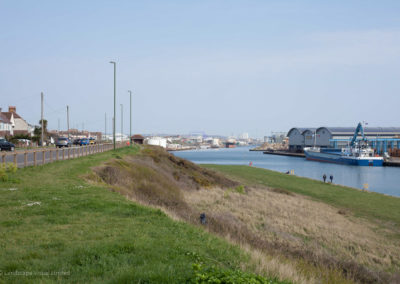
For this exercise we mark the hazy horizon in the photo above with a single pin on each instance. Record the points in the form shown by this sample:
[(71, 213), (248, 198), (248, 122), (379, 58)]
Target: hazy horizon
[(221, 67)]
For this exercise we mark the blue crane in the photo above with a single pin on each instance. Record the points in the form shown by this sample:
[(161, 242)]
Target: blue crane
[(360, 129)]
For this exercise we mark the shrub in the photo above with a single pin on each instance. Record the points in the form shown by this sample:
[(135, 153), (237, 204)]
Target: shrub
[(6, 169), (3, 173), (240, 189), (11, 168)]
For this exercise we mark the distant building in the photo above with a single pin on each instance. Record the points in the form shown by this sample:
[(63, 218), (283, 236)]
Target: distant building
[(278, 137), (244, 136), (137, 138), (156, 141), (18, 124)]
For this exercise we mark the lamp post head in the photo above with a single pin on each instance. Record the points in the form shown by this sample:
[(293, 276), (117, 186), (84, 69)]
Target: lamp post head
[(112, 62)]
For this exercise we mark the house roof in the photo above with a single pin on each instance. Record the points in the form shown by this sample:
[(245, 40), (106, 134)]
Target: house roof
[(137, 136), (4, 118), (9, 114)]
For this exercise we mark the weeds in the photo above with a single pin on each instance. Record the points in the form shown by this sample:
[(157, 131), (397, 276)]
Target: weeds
[(6, 170), (215, 274)]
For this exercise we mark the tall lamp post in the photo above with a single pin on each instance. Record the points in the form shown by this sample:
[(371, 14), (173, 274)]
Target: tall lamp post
[(122, 121), (130, 115), (115, 97), (42, 130)]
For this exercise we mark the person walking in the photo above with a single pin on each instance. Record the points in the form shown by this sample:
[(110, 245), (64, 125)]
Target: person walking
[(324, 178), (331, 178)]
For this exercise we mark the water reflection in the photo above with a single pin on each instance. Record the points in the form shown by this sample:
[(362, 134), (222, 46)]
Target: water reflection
[(380, 179)]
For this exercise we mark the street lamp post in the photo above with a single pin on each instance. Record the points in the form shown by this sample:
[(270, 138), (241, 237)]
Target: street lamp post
[(122, 121), (115, 97), (130, 115)]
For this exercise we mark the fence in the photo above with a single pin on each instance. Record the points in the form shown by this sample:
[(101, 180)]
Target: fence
[(42, 156)]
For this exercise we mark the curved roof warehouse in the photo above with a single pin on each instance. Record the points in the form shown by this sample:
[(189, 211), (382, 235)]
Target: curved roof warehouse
[(300, 137)]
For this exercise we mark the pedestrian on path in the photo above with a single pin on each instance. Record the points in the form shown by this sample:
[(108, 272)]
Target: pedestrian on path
[(331, 178), (324, 177)]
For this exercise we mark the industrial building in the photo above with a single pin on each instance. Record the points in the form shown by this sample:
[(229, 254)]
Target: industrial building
[(381, 138)]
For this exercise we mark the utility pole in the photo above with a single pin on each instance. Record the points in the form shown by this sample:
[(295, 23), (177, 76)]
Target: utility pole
[(42, 138), (113, 125), (105, 124), (122, 121), (130, 115), (58, 129), (115, 97), (68, 120)]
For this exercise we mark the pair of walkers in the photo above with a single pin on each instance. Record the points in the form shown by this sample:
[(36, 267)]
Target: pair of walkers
[(330, 177)]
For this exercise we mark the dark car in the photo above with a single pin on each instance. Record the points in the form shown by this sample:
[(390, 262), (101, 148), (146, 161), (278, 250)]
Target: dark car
[(6, 146), (77, 142), (63, 142), (84, 141)]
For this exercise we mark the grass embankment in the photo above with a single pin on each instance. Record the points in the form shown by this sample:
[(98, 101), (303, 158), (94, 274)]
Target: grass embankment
[(371, 205), (73, 217), (287, 234), (54, 225), (354, 231)]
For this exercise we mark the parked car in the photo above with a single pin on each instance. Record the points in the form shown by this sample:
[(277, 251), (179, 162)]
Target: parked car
[(77, 142), (84, 141), (92, 141), (6, 146), (63, 142)]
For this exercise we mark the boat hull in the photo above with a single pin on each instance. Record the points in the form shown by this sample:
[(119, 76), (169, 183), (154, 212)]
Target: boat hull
[(339, 159)]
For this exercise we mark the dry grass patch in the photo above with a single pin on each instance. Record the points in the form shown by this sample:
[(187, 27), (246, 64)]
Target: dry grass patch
[(296, 225)]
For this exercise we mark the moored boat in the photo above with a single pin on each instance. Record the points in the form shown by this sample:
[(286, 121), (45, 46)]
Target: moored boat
[(358, 153), (230, 145), (358, 156)]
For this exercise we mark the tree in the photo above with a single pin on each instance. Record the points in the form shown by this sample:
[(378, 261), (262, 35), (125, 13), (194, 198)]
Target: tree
[(37, 132)]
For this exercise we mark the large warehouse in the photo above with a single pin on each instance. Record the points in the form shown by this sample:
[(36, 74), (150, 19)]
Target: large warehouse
[(338, 137)]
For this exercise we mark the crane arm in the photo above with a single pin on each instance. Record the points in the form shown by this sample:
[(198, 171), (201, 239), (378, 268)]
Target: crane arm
[(360, 129)]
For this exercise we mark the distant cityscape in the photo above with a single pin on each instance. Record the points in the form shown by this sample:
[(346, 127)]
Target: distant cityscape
[(14, 127)]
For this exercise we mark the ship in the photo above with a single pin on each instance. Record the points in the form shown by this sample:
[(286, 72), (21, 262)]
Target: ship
[(358, 153), (230, 145)]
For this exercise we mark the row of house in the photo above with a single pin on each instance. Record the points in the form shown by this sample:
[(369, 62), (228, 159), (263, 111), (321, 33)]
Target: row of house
[(11, 123)]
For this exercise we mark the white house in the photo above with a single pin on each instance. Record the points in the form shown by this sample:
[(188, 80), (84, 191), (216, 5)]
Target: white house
[(18, 124), (5, 126)]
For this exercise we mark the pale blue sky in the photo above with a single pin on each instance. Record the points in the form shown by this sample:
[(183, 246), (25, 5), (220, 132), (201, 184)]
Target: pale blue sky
[(221, 67)]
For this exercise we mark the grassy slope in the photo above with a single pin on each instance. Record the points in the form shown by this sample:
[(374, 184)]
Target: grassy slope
[(95, 234), (365, 204)]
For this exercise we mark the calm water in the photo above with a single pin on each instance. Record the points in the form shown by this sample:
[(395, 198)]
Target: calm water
[(380, 179)]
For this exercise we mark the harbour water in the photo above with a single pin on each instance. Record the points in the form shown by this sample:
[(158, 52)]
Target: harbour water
[(379, 179)]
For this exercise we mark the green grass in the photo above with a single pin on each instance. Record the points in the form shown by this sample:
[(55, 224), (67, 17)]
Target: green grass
[(373, 206), (91, 234)]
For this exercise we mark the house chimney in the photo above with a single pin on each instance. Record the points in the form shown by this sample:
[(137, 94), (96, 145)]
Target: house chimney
[(12, 109)]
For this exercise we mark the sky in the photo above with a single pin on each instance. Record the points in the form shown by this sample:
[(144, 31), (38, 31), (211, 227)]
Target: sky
[(218, 67)]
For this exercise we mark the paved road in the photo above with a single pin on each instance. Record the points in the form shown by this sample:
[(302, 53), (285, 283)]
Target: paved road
[(49, 155)]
